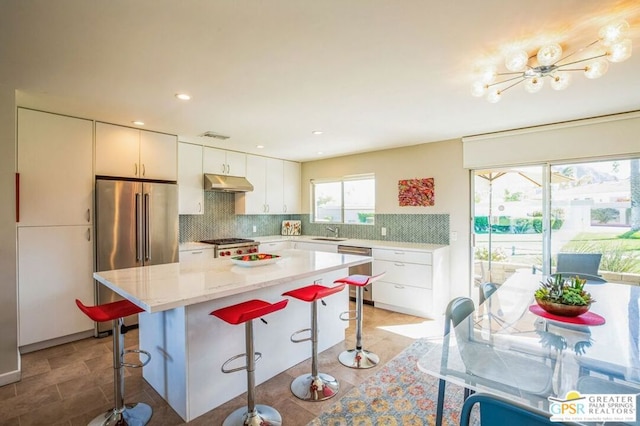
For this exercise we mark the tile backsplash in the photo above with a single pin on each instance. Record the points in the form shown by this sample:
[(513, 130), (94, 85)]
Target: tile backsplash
[(220, 221)]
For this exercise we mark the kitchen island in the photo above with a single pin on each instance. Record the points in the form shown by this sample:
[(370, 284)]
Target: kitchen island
[(188, 346)]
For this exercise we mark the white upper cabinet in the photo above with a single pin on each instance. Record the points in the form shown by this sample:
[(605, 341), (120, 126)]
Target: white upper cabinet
[(55, 155), (266, 176), (292, 187), (133, 153), (274, 190), (190, 176), (221, 162)]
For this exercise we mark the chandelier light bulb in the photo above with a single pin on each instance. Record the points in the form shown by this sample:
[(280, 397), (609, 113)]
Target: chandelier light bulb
[(549, 54), (516, 60), (533, 84), (596, 69), (614, 32), (488, 74), (620, 51), (478, 89), (494, 96), (560, 80)]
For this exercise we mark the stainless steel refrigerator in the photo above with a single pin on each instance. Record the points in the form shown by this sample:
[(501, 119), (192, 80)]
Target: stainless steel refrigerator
[(136, 225)]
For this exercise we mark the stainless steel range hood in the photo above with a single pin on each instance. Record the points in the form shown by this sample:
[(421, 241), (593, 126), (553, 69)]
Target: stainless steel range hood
[(224, 183)]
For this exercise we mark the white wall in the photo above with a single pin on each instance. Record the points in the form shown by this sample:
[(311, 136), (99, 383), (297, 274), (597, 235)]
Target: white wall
[(440, 160), (9, 359)]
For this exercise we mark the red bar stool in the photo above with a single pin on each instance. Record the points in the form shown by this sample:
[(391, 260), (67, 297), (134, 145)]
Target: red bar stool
[(129, 414), (246, 312), (315, 386), (358, 357)]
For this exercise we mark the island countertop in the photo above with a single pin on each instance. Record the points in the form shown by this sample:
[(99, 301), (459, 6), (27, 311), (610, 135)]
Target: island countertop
[(162, 287)]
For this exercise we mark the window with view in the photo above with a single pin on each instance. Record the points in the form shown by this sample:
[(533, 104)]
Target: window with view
[(349, 200)]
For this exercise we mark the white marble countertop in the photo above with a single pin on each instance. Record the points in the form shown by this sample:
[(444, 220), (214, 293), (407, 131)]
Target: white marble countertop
[(380, 244), (162, 287)]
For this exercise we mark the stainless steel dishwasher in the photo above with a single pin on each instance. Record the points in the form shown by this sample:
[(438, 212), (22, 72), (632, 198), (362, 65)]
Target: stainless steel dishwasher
[(364, 269)]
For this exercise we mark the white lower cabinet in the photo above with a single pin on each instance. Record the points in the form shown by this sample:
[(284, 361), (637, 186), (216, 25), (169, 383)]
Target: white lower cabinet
[(275, 246), (415, 282), (55, 267), (331, 248), (196, 255)]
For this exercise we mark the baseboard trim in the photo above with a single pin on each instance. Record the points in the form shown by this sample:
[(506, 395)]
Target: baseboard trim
[(55, 342)]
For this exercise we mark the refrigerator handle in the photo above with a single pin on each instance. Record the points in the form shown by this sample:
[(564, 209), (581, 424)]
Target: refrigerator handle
[(147, 245), (138, 228)]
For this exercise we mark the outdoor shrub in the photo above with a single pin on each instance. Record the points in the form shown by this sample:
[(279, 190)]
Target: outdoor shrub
[(481, 224), (537, 225), (497, 255), (521, 226), (556, 224), (604, 215)]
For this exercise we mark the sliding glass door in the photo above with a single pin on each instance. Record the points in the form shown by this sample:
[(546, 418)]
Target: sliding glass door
[(507, 221), (524, 216)]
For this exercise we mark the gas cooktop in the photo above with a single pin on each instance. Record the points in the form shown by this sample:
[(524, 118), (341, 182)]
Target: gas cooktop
[(224, 241)]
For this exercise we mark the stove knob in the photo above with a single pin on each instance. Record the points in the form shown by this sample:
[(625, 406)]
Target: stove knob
[(228, 253), (238, 251), (221, 253)]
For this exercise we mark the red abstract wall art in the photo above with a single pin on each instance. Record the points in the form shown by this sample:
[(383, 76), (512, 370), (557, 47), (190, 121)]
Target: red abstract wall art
[(416, 192)]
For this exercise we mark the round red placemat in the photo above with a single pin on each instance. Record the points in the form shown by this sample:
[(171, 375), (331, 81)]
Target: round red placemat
[(588, 318)]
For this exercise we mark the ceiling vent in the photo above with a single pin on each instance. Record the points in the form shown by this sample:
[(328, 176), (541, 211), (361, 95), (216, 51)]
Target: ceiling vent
[(215, 135)]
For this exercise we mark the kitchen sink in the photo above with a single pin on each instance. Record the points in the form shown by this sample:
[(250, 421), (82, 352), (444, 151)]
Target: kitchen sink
[(329, 239)]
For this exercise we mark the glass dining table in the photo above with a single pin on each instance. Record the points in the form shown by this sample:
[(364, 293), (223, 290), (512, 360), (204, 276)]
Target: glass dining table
[(509, 347)]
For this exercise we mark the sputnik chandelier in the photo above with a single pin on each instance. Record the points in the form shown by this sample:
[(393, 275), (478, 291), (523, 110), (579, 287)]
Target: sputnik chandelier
[(550, 63)]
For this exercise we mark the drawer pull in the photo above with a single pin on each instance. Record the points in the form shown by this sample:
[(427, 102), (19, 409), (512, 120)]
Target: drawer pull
[(398, 264), (398, 286), (196, 252), (398, 252)]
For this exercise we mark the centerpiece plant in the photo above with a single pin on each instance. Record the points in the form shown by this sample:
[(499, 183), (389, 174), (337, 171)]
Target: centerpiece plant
[(561, 296)]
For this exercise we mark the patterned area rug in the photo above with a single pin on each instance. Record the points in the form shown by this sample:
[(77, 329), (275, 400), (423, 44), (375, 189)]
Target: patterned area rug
[(399, 394)]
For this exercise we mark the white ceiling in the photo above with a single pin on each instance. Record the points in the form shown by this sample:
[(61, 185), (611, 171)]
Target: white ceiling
[(371, 74)]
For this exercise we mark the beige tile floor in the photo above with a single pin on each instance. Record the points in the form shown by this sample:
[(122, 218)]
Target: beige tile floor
[(72, 383)]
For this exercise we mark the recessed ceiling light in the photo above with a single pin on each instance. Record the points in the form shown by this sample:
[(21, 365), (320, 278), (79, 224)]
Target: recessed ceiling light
[(320, 152), (138, 123), (259, 146), (317, 132), (183, 96)]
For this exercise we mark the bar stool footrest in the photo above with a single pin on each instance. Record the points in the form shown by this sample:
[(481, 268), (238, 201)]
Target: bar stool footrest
[(261, 415), (346, 315), (136, 351), (306, 339), (258, 355), (315, 388), (358, 358)]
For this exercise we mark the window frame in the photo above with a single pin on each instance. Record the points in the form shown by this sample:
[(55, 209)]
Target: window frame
[(341, 180)]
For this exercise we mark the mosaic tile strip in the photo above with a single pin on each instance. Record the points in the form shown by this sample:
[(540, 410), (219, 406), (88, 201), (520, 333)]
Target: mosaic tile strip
[(220, 221)]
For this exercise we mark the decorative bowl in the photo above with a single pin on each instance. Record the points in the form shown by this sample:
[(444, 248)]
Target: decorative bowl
[(561, 309), (255, 259)]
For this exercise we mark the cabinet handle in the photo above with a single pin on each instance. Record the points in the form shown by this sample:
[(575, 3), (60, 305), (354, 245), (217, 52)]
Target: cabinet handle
[(223, 168), (228, 169), (398, 252), (89, 215), (144, 170), (284, 208), (398, 264), (17, 197), (398, 286), (136, 169), (199, 207), (88, 234), (196, 252)]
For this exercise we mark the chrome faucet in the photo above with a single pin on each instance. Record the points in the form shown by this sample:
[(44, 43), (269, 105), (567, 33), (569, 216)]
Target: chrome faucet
[(335, 230)]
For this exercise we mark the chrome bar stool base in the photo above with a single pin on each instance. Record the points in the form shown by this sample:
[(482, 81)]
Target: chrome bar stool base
[(315, 388), (262, 415), (132, 415), (358, 358)]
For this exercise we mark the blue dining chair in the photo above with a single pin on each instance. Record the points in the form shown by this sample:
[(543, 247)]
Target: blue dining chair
[(498, 411), (583, 265)]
